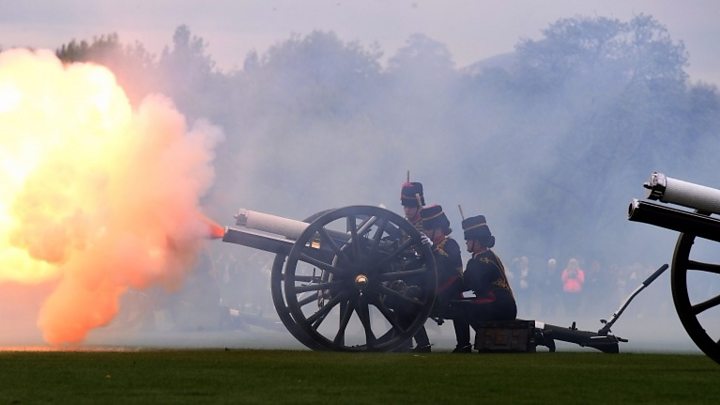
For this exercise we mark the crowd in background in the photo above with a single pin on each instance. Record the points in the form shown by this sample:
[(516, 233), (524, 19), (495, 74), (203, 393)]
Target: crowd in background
[(227, 285), (546, 289)]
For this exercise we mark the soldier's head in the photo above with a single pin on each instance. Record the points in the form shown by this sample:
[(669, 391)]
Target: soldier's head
[(435, 222), (412, 198), (477, 233)]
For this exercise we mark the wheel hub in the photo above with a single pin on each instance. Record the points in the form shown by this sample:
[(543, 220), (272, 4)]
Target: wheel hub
[(361, 281)]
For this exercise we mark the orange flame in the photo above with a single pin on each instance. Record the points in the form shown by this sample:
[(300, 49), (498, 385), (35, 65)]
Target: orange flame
[(96, 195), (215, 230)]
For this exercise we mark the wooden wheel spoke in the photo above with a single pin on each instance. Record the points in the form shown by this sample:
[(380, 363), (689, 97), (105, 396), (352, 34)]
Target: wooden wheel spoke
[(354, 239), (389, 315), (390, 291), (306, 279), (363, 312), (702, 266), (317, 318), (377, 236), (400, 249), (705, 305), (337, 250), (346, 311), (310, 298), (314, 287), (319, 263)]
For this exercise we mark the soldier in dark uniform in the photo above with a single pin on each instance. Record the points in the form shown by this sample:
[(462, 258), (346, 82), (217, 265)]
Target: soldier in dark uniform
[(413, 200), (485, 276), (448, 260)]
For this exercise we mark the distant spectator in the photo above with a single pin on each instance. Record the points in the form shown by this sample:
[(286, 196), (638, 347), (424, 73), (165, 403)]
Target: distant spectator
[(521, 268), (550, 290), (573, 279)]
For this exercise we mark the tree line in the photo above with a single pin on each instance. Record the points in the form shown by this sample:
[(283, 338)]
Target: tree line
[(550, 140)]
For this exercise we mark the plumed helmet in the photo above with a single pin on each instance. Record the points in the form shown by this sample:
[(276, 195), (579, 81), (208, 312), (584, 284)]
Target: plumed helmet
[(476, 228), (411, 194)]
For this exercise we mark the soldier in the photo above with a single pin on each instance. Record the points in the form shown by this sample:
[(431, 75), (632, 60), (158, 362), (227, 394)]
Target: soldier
[(485, 276), (412, 200), (446, 251)]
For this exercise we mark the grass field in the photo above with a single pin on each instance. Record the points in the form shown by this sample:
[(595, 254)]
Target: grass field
[(272, 376)]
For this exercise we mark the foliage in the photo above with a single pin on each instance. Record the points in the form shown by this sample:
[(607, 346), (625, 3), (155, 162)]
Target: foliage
[(550, 142), (133, 65)]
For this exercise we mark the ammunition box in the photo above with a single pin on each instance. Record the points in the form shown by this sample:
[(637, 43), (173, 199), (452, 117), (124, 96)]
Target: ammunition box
[(505, 336)]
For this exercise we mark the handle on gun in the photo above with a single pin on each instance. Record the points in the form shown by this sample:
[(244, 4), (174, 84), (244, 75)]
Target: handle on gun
[(655, 275)]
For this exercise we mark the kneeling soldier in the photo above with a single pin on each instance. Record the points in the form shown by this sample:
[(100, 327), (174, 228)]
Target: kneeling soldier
[(448, 260), (485, 276)]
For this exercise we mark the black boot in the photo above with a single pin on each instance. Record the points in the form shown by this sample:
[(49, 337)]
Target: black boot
[(462, 349), (422, 349)]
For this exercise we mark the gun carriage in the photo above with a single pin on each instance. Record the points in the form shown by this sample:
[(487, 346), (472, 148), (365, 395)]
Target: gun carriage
[(358, 278), (362, 278), (694, 267)]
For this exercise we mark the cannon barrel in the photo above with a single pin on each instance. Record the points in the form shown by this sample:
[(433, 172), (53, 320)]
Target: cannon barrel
[(691, 195), (261, 221), (675, 219), (269, 232)]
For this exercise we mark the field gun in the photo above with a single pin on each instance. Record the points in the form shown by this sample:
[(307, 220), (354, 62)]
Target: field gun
[(695, 292), (359, 278)]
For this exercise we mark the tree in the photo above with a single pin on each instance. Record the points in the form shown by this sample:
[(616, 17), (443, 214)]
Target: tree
[(189, 75), (133, 65), (317, 75), (640, 50), (594, 101)]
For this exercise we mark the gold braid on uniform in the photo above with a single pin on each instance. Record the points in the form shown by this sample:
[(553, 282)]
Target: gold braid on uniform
[(500, 282), (419, 225), (440, 247)]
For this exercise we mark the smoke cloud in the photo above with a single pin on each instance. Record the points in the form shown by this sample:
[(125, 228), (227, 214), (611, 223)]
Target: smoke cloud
[(98, 197), (549, 142)]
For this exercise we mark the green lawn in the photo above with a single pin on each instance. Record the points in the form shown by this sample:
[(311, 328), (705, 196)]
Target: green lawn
[(267, 376)]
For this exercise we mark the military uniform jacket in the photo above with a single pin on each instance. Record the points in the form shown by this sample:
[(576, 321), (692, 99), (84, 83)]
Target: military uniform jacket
[(449, 269), (485, 276)]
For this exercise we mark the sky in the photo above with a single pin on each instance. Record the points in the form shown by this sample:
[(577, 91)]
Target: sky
[(472, 30)]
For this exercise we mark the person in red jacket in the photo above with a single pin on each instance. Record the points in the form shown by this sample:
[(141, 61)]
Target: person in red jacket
[(573, 280)]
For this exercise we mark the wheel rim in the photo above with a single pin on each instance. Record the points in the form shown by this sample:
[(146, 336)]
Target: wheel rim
[(278, 296), (694, 308), (276, 282), (343, 292)]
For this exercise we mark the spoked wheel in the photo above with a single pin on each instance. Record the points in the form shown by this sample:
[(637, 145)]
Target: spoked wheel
[(696, 294), (276, 287), (359, 278)]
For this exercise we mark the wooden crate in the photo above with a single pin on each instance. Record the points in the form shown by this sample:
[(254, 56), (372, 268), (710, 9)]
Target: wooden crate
[(505, 336)]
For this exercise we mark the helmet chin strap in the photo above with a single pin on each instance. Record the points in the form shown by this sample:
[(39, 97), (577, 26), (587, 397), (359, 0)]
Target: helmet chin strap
[(474, 248), (471, 246), (432, 234)]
